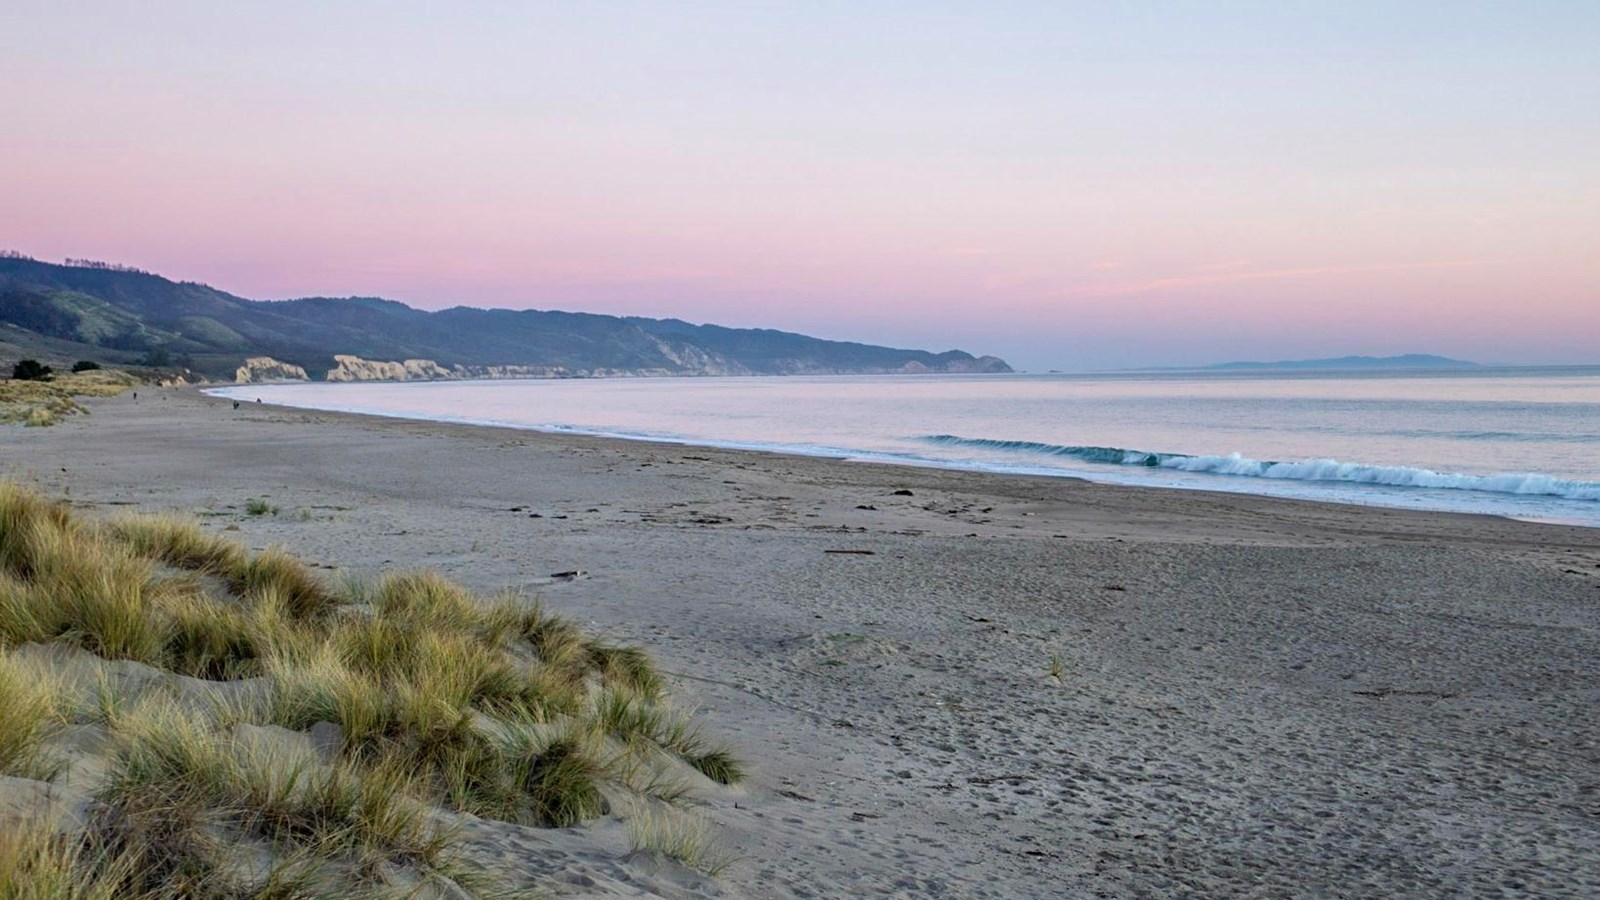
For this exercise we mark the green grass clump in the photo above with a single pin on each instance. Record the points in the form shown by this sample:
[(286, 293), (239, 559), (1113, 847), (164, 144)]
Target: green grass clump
[(65, 581), (496, 708), (217, 641), (561, 781), (680, 835), (628, 667), (259, 506), (178, 542), (176, 784), (641, 724), (38, 863), (98, 588), (718, 764), (529, 775), (30, 712), (274, 573), (560, 644)]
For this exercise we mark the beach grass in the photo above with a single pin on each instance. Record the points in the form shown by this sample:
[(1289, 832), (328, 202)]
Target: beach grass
[(679, 834), (442, 702), (31, 710), (259, 506), (43, 403), (176, 783), (1058, 665), (39, 863)]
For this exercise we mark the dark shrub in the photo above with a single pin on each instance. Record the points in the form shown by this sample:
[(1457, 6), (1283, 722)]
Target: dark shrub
[(85, 365), (30, 370)]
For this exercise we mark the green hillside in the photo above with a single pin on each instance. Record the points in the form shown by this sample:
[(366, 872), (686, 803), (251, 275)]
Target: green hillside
[(115, 314)]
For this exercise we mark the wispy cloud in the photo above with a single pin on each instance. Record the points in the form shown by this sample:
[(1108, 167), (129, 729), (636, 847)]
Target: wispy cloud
[(1227, 274)]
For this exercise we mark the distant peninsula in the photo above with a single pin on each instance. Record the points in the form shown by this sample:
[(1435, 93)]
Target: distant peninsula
[(87, 310), (1406, 361)]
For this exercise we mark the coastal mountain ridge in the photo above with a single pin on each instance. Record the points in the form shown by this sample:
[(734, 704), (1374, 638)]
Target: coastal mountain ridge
[(115, 314), (1403, 361)]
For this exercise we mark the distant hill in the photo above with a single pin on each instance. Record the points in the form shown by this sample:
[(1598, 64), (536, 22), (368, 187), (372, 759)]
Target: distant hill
[(121, 315), (1407, 361)]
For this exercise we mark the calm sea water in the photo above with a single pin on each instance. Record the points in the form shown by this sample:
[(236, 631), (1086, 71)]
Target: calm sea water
[(1515, 442)]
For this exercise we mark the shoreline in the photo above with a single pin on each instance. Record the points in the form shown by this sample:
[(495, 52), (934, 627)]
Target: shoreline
[(1252, 695), (886, 459), (866, 458)]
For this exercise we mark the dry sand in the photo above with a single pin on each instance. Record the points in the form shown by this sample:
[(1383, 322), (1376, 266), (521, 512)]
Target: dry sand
[(1255, 697)]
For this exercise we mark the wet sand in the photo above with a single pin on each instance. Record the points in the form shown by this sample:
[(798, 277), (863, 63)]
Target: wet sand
[(990, 685)]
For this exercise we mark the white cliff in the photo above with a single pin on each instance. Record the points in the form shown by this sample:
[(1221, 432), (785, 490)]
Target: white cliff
[(354, 368), (257, 369)]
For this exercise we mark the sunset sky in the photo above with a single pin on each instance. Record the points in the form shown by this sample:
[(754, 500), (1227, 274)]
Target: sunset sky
[(1067, 185)]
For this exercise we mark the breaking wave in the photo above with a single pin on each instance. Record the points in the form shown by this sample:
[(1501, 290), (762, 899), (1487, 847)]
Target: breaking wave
[(1529, 483)]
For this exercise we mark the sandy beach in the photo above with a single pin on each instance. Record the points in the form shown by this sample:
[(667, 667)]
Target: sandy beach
[(972, 685)]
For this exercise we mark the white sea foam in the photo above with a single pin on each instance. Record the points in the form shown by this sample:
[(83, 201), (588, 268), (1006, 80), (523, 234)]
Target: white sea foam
[(1329, 470)]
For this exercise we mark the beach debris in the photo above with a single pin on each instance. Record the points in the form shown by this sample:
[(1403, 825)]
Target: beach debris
[(865, 506), (853, 552), (999, 779), (1113, 587), (902, 493), (1385, 693), (572, 575)]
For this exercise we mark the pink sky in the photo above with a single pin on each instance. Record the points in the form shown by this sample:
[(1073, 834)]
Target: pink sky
[(1068, 190)]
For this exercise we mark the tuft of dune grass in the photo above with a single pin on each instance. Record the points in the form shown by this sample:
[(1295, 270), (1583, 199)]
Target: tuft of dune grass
[(275, 572), (180, 542), (99, 589), (177, 541), (38, 863), (31, 711), (678, 834), (629, 667), (210, 640), (176, 783), (496, 708), (718, 764)]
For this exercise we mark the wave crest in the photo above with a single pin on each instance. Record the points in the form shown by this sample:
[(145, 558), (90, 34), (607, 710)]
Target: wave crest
[(1525, 483)]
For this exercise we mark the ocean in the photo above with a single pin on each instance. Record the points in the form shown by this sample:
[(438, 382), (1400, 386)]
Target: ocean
[(1521, 442)]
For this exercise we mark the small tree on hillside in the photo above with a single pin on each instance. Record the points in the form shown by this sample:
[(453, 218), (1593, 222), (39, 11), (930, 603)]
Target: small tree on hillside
[(30, 370), (85, 365)]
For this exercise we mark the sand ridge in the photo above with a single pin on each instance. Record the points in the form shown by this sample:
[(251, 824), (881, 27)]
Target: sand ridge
[(1256, 697)]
